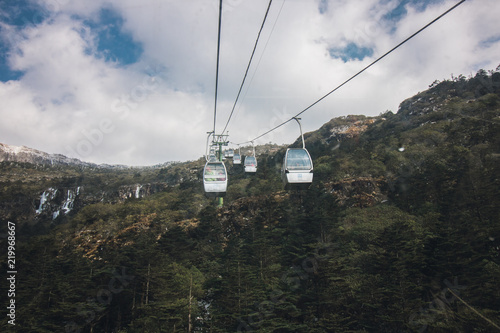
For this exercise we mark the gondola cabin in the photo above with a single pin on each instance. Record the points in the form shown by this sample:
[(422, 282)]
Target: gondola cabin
[(215, 179), (229, 153), (236, 159), (297, 169), (250, 164)]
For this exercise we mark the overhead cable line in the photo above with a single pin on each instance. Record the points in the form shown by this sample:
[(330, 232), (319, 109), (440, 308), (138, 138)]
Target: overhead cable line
[(263, 51), (248, 66), (358, 73), (217, 68)]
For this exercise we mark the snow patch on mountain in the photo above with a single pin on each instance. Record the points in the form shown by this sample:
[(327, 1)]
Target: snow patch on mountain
[(23, 154)]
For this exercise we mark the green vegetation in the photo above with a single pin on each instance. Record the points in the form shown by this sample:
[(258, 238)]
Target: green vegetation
[(401, 218)]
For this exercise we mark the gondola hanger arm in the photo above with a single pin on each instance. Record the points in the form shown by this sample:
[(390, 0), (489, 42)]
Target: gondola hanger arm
[(301, 134)]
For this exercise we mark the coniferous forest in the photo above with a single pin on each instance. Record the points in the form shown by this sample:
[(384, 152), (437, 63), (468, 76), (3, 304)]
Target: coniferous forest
[(399, 232)]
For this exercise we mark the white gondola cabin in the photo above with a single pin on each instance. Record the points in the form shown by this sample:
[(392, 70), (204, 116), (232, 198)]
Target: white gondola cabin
[(215, 179), (229, 153), (297, 169), (236, 159), (237, 156), (250, 164)]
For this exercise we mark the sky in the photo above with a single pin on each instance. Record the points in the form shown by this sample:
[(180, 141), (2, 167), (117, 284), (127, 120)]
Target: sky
[(133, 82)]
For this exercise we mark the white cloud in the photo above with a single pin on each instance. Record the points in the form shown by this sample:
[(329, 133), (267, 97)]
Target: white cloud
[(71, 101)]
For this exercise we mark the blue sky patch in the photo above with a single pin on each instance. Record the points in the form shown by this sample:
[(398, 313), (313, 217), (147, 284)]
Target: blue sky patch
[(21, 13), (18, 15), (6, 73), (400, 11), (351, 52), (114, 44), (489, 41), (323, 6)]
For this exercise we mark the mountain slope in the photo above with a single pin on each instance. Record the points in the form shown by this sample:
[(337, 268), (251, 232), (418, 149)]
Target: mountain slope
[(401, 217), (23, 154)]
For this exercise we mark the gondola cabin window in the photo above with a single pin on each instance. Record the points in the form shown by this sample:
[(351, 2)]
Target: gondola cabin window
[(215, 172), (298, 160), (250, 161)]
